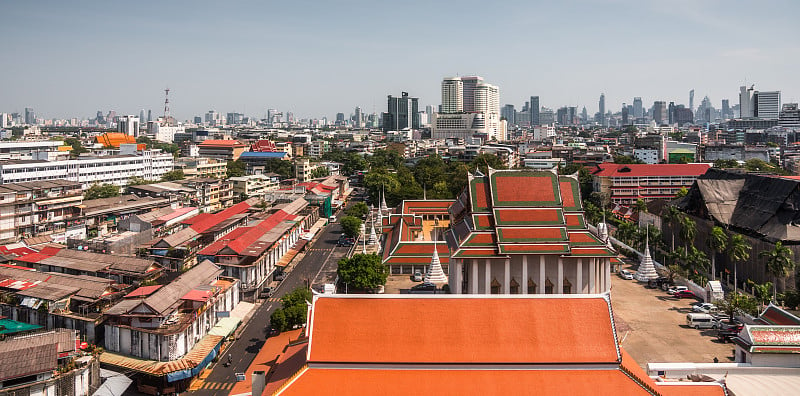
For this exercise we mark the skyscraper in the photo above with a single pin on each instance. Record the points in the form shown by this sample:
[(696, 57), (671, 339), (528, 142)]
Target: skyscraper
[(359, 118), (726, 109), (469, 107), (30, 116), (602, 106), (660, 112), (638, 111), (452, 96), (746, 102), (534, 110), (509, 113), (767, 104), (691, 100), (402, 113), (129, 125)]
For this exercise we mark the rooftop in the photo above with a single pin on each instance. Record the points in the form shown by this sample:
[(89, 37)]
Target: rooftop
[(638, 170)]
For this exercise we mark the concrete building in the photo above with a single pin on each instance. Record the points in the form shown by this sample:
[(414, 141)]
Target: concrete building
[(202, 167), (163, 132), (469, 107), (129, 125), (402, 113), (41, 208), (767, 104), (45, 150), (224, 150), (627, 183), (253, 185)]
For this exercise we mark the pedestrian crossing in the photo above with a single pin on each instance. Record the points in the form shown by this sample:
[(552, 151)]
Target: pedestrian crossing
[(319, 250), (219, 386), (274, 299)]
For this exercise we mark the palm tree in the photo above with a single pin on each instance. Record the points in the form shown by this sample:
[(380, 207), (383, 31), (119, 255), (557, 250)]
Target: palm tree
[(779, 264), (641, 206), (698, 260), (672, 217), (688, 230), (717, 241), (738, 251)]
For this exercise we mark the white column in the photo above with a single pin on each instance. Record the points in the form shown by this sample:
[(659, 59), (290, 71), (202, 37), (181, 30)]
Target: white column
[(540, 288), (459, 275), (524, 283), (488, 267), (592, 275), (474, 276), (507, 277), (579, 276), (560, 283), (607, 266)]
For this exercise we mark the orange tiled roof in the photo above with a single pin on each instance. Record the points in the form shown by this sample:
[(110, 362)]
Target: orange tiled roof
[(529, 187), (437, 330), (114, 139)]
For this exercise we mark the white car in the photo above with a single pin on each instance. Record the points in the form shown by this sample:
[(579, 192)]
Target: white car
[(625, 274), (675, 289), (417, 277), (707, 308)]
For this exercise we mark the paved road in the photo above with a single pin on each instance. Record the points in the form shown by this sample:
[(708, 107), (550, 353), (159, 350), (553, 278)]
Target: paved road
[(243, 351)]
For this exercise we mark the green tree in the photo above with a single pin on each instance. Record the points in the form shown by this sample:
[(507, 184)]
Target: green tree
[(430, 170), (351, 226), (97, 191), (738, 252), (674, 271), (682, 193), (138, 181), (698, 261), (362, 271), (761, 291), (486, 160), (173, 175), (688, 230), (779, 263), (385, 159), (298, 296), (736, 302), (672, 217), (359, 209), (320, 171), (77, 147), (641, 206), (718, 242), (278, 320), (236, 168), (294, 310), (726, 163)]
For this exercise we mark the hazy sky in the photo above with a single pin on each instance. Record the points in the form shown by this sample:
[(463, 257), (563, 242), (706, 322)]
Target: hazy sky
[(316, 58)]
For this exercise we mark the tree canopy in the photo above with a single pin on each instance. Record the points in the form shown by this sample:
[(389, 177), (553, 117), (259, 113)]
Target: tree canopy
[(98, 191), (320, 171), (351, 226), (359, 209), (236, 168), (362, 271), (173, 175), (294, 310)]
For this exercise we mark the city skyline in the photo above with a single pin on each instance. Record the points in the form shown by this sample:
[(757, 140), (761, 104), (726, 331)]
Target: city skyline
[(67, 62)]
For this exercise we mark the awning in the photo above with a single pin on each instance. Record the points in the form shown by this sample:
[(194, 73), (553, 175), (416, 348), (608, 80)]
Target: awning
[(225, 326)]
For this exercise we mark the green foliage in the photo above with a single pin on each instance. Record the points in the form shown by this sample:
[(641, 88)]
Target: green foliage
[(484, 161), (351, 226), (320, 171), (682, 193), (779, 262), (674, 271), (726, 163), (98, 191), (294, 310), (351, 162), (171, 148), (641, 206), (737, 302), (585, 178), (273, 165), (791, 299), (363, 271), (359, 210), (236, 168), (138, 181), (761, 291), (385, 159), (173, 175), (77, 147)]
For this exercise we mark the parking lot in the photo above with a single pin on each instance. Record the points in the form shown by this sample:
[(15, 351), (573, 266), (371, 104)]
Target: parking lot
[(652, 326)]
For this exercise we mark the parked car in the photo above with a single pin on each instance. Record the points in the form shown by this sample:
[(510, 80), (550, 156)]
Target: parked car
[(625, 274), (701, 321), (423, 288), (658, 282), (417, 277), (266, 292), (728, 329), (705, 308), (684, 294), (278, 277), (345, 241), (675, 289)]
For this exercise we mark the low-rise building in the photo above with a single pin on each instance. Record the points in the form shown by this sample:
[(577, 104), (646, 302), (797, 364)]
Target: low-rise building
[(41, 208), (253, 185), (102, 215), (627, 183), (123, 270), (224, 150), (202, 167)]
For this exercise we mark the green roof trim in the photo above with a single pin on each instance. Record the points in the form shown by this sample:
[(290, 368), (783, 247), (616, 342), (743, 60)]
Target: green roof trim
[(561, 220), (501, 238)]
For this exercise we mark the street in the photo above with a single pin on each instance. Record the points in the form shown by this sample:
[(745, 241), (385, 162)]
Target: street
[(316, 266)]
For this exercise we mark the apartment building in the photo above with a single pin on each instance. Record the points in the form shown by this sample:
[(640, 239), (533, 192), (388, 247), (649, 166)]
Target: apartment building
[(88, 170), (253, 185), (202, 167), (224, 150), (41, 208), (627, 183)]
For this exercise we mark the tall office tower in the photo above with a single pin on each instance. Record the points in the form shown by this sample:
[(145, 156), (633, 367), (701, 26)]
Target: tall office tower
[(602, 106), (99, 117), (469, 89), (430, 109), (767, 104), (534, 110), (289, 117), (129, 125), (726, 109), (339, 118), (509, 113), (584, 115), (401, 113), (546, 116), (30, 116), (660, 112), (625, 115), (572, 115), (111, 116), (691, 99), (452, 96), (141, 115), (671, 113), (790, 116), (746, 106), (638, 111), (149, 115), (211, 117), (4, 120), (359, 118)]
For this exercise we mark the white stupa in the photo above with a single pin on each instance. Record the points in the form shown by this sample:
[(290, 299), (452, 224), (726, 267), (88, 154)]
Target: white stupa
[(435, 273), (363, 234), (383, 200), (602, 230), (373, 238), (647, 269)]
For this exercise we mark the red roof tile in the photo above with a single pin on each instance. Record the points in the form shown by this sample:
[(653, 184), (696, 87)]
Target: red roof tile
[(527, 234), (524, 187), (222, 143), (530, 216), (197, 295), (637, 170), (207, 222), (143, 291)]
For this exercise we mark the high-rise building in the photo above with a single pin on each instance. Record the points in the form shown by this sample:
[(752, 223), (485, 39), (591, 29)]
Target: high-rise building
[(359, 117), (149, 115), (546, 116), (452, 96), (584, 115), (726, 109), (660, 112), (562, 116), (534, 110), (691, 100), (469, 107), (339, 118), (790, 116), (638, 110), (767, 104), (509, 114), (671, 113), (746, 102), (602, 106), (129, 125), (401, 113), (141, 115), (30, 116)]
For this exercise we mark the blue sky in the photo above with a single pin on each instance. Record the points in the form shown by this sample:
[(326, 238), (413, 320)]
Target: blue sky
[(316, 58)]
